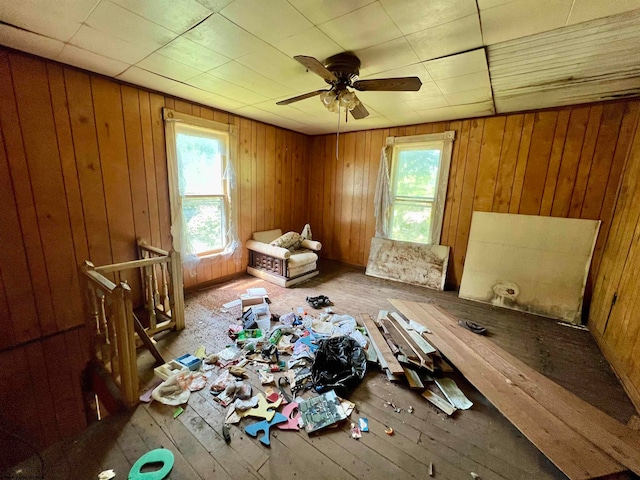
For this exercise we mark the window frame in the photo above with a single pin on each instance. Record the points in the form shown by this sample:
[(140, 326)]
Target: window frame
[(445, 143), (171, 119), (225, 185)]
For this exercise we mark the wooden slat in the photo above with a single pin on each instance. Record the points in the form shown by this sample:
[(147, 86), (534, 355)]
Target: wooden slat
[(544, 125), (577, 457), (375, 335), (494, 129)]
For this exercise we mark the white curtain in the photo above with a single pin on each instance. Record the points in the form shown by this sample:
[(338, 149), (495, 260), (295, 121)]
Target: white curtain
[(179, 234), (382, 199)]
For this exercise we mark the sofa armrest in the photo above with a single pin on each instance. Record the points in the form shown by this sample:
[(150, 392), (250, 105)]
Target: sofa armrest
[(311, 245), (266, 249)]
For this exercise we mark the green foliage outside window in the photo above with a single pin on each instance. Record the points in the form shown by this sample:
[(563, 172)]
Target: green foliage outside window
[(202, 187), (415, 180)]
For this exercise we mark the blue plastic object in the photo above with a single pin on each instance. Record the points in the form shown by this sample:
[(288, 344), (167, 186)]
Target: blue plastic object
[(264, 426), (159, 455), (190, 361)]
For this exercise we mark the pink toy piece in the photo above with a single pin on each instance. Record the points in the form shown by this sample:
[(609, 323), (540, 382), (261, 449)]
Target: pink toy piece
[(292, 422)]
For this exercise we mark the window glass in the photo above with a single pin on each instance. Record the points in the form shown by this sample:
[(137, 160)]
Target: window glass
[(414, 189), (204, 218), (417, 172), (201, 163)]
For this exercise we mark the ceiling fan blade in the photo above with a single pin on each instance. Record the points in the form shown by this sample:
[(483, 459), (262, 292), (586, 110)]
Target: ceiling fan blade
[(316, 67), (402, 84), (300, 97), (359, 112)]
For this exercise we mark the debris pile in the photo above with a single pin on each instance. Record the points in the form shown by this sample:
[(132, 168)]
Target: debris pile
[(401, 347)]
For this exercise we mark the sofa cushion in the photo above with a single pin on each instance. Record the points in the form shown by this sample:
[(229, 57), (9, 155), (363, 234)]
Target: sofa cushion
[(267, 236), (294, 272), (290, 240), (301, 257)]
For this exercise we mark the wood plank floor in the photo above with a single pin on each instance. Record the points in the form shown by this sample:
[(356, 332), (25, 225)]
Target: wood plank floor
[(478, 440)]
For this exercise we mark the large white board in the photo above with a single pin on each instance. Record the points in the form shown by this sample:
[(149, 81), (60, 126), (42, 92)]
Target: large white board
[(414, 263), (530, 263)]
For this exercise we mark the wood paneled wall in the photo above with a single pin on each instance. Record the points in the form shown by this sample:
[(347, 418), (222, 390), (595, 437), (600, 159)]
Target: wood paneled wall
[(563, 162), (614, 318), (83, 174)]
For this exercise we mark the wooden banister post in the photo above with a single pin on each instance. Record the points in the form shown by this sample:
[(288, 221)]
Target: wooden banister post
[(177, 290), (123, 320)]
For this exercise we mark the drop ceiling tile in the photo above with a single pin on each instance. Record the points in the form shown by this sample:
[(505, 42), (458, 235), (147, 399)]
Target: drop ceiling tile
[(167, 67), (215, 5), (238, 74), (176, 15), (58, 20), (312, 43), (143, 78), (224, 103), (102, 43), (90, 61), (427, 103), (436, 114), (471, 81), (223, 36), (190, 53), (453, 37), (267, 117), (271, 21), (276, 66), (406, 117), (187, 92), (469, 96), (585, 10), (29, 42), (362, 28), (386, 56), (456, 65), (215, 85), (521, 18), (321, 12), (474, 110), (415, 15), (125, 25)]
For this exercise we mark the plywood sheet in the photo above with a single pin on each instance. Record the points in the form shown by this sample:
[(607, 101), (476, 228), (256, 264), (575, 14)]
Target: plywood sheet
[(407, 262), (529, 263)]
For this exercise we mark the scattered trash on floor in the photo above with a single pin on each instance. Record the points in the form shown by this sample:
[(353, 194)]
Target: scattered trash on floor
[(388, 431), (355, 431), (106, 475), (363, 423), (177, 412)]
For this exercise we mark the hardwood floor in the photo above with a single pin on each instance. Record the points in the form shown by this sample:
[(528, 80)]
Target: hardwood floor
[(478, 440)]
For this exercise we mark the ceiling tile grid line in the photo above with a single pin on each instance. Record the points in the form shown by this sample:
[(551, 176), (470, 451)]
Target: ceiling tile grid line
[(237, 54)]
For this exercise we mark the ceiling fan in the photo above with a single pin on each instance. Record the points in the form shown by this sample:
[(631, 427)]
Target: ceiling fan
[(341, 72)]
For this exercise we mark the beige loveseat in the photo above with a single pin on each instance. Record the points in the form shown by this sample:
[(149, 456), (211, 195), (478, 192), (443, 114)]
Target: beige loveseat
[(279, 265)]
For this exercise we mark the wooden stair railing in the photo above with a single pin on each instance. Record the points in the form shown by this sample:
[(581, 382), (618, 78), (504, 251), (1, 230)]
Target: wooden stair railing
[(110, 319)]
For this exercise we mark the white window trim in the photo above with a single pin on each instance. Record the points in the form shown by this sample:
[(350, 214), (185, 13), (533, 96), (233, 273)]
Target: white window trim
[(171, 117), (437, 212)]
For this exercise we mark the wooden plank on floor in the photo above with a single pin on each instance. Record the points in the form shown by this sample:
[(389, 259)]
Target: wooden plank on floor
[(613, 437), (377, 338), (576, 456)]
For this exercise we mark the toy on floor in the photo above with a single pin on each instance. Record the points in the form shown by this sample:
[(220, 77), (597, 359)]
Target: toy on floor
[(292, 422), (159, 455), (264, 426), (264, 409)]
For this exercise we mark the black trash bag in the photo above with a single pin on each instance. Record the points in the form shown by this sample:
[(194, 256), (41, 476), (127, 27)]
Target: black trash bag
[(340, 365)]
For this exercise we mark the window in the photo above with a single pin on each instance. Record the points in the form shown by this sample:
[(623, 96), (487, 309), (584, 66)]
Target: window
[(201, 186), (201, 167), (418, 186)]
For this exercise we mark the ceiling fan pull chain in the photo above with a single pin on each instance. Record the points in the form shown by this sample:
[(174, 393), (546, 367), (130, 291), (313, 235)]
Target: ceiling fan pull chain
[(338, 133)]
